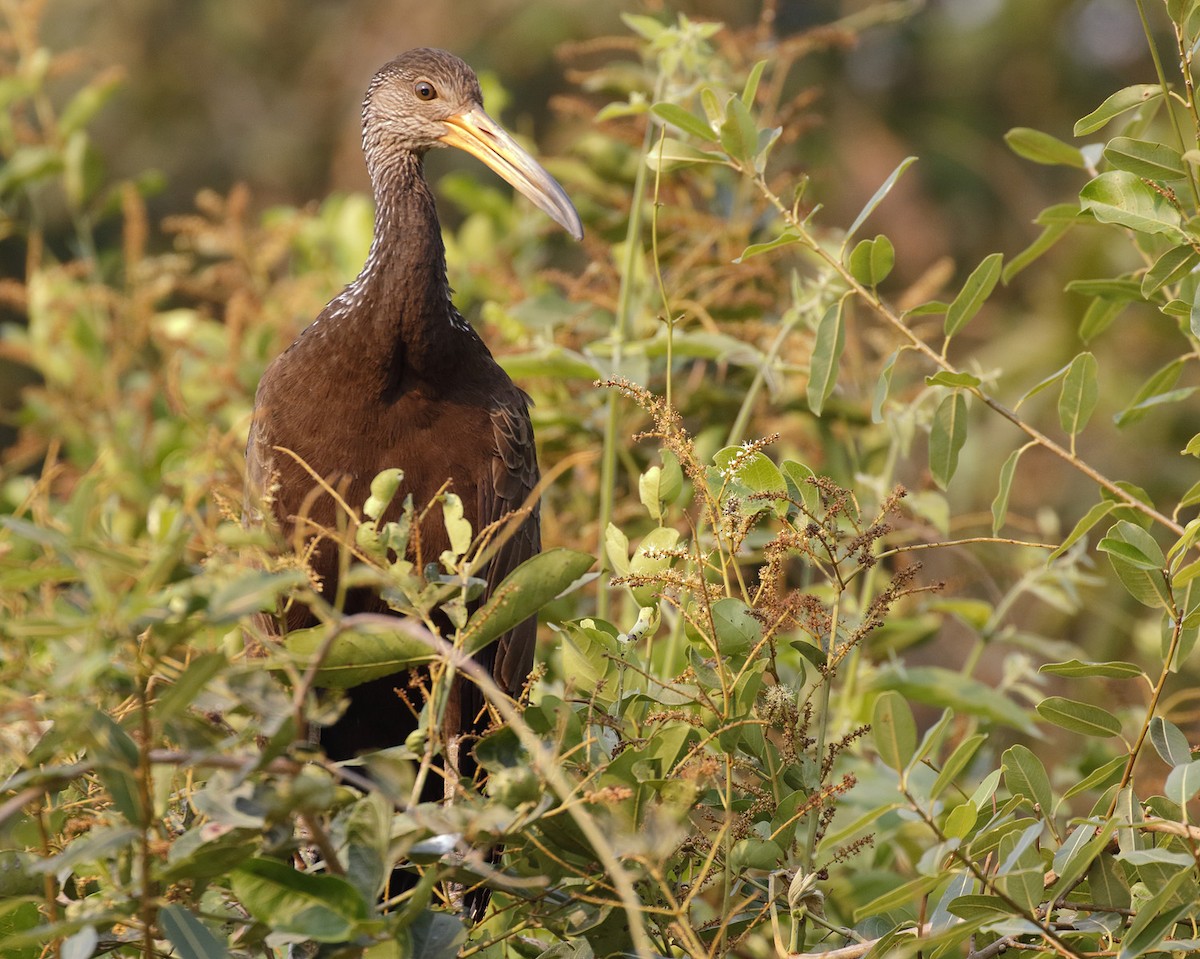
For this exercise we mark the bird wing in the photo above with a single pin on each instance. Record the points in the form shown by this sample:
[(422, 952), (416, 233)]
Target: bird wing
[(514, 477)]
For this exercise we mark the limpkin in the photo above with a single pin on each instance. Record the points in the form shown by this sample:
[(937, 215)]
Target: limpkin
[(391, 375)]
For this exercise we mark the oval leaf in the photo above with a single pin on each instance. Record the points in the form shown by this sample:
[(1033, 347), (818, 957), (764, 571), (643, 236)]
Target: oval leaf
[(975, 291), (1127, 200), (322, 908), (826, 356), (1043, 148), (524, 591), (946, 438), (1079, 393), (1154, 161), (1079, 717), (894, 729), (1120, 102)]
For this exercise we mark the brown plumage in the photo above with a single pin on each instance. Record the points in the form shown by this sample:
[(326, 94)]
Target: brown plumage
[(391, 375)]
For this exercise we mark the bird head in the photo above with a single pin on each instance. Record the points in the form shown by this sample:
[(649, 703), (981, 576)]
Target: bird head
[(428, 98)]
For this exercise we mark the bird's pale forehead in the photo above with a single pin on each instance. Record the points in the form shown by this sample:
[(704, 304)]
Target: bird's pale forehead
[(426, 63)]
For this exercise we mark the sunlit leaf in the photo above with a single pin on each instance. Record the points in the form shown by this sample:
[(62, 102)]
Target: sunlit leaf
[(883, 385), (877, 198), (1082, 718), (871, 261), (1124, 100), (956, 379), (894, 730), (524, 591), (974, 293), (1150, 159), (321, 908), (1076, 669), (687, 122), (826, 356), (1024, 775), (1169, 268), (1000, 503), (1043, 148), (1127, 200), (947, 435), (1080, 391), (1170, 742)]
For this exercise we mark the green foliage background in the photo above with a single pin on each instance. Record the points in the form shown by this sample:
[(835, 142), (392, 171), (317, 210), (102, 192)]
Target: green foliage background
[(867, 602)]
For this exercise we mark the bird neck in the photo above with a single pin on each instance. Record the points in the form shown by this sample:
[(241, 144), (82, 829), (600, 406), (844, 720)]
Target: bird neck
[(410, 320)]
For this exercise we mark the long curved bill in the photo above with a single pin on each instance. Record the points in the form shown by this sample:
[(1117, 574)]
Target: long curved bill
[(482, 137)]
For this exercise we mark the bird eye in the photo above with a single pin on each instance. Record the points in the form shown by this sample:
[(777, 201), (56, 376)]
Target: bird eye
[(424, 90)]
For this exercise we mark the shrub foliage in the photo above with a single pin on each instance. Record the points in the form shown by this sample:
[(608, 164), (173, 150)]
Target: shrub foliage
[(799, 689)]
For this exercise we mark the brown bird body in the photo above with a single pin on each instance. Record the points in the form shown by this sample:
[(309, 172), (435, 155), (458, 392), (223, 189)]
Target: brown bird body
[(391, 375)]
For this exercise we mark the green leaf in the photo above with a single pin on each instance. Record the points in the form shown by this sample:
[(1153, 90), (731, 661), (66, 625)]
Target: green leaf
[(1169, 268), (756, 472), (322, 908), (755, 853), (1000, 503), (1080, 391), (1051, 233), (1127, 200), (737, 631), (1086, 522), (1024, 775), (750, 90), (884, 384), (1129, 98), (1043, 148), (670, 153), (947, 435), (1021, 872), (677, 116), (1156, 916), (877, 198), (1154, 161), (786, 238), (524, 591), (1099, 316), (87, 103), (961, 821), (1138, 562), (645, 27), (800, 487), (1183, 782), (458, 528), (357, 656), (254, 591), (1079, 717), (1075, 669), (190, 937), (894, 730), (871, 261), (980, 907), (903, 895), (963, 753), (739, 132), (1170, 743), (946, 378), (826, 356), (183, 692), (649, 560), (1151, 393), (436, 935), (948, 689), (974, 293)]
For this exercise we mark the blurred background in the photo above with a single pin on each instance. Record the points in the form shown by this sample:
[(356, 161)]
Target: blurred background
[(266, 93)]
